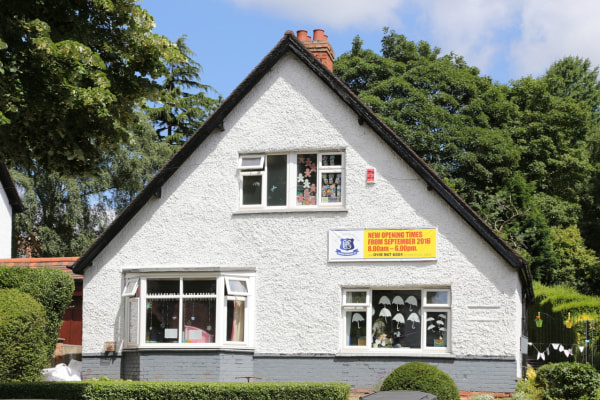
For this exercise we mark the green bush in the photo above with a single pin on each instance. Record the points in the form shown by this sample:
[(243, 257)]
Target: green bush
[(51, 288), (568, 380), (110, 390), (22, 324), (422, 377)]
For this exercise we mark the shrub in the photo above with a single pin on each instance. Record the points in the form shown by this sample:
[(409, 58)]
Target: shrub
[(109, 390), (568, 380), (422, 377), (51, 288), (22, 324)]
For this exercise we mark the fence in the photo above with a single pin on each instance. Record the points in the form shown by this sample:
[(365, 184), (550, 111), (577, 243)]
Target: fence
[(556, 337)]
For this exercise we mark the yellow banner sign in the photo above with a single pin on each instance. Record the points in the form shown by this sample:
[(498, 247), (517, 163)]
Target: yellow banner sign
[(400, 243)]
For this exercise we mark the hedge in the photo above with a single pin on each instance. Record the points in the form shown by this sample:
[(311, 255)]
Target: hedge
[(22, 336), (52, 288), (568, 380), (110, 390)]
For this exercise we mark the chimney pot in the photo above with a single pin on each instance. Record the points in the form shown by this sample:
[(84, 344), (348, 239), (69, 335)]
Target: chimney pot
[(303, 36), (319, 34)]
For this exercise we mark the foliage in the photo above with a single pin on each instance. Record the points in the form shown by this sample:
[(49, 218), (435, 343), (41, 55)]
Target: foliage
[(64, 214), (108, 390), (22, 323), (72, 74), (421, 377), (578, 264), (179, 112), (568, 381), (53, 289), (526, 388), (565, 299)]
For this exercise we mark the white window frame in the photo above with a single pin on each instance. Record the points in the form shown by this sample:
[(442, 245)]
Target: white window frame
[(349, 308), (135, 304), (261, 169)]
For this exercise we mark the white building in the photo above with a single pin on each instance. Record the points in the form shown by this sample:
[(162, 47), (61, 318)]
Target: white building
[(10, 204), (295, 237)]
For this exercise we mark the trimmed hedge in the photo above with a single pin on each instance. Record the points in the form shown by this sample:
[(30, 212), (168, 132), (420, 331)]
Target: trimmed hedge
[(22, 324), (568, 380), (110, 390), (52, 288), (422, 377)]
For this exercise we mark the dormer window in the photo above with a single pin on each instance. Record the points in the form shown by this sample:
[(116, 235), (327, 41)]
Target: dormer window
[(292, 180)]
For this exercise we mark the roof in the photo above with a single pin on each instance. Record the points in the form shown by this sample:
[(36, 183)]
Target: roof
[(61, 263), (289, 43), (10, 189)]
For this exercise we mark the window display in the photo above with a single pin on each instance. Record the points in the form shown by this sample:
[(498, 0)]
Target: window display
[(398, 319)]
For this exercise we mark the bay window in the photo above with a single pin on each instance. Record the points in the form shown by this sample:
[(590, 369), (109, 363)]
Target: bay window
[(396, 319), (292, 180), (187, 311)]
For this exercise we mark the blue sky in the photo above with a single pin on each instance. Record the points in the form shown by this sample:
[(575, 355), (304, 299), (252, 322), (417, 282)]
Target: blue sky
[(505, 39)]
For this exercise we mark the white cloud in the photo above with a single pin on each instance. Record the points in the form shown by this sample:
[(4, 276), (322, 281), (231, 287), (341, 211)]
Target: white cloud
[(333, 13), (553, 29)]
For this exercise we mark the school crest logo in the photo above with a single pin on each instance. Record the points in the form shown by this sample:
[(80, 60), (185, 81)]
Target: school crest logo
[(346, 247)]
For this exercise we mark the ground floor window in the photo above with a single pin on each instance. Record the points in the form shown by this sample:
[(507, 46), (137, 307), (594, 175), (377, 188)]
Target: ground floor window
[(187, 310), (396, 318)]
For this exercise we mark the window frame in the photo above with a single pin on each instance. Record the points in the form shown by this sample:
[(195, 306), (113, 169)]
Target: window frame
[(292, 180), (137, 304), (348, 309)]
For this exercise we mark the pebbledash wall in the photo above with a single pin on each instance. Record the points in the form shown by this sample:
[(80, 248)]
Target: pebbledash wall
[(296, 319)]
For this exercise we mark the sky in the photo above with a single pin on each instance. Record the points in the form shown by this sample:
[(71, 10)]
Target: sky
[(505, 39)]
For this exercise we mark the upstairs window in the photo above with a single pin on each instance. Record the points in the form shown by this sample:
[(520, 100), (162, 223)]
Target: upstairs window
[(296, 180)]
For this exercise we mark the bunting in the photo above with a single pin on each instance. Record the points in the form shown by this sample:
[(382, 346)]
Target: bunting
[(568, 352)]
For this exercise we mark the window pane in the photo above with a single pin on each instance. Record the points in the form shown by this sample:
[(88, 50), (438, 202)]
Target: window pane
[(235, 320), (199, 320), (397, 318), (199, 287), (356, 297), (276, 180), (236, 286), (356, 328), (160, 287), (331, 160), (251, 187), (331, 188), (306, 192), (437, 330), (162, 322), (252, 162), (437, 297)]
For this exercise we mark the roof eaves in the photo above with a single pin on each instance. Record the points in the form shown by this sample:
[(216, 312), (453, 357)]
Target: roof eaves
[(10, 189)]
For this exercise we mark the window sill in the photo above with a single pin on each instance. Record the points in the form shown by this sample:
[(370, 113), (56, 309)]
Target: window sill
[(190, 348), (394, 353), (290, 210)]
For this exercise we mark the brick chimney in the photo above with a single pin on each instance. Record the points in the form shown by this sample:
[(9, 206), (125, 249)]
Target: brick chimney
[(319, 46)]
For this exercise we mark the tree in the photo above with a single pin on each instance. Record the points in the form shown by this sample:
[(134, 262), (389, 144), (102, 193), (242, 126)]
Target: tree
[(66, 213), (180, 112), (71, 75)]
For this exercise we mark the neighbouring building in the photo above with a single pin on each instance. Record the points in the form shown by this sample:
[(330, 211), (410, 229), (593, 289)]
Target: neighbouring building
[(10, 204), (296, 237)]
